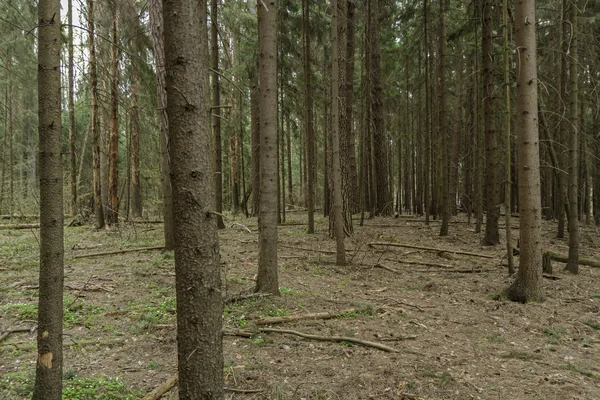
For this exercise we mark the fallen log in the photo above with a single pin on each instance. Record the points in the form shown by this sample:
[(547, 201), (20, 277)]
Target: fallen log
[(410, 246), (300, 317), (165, 387), (549, 257), (107, 253), (19, 226), (336, 339)]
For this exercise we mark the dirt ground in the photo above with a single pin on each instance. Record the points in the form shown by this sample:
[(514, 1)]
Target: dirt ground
[(454, 340)]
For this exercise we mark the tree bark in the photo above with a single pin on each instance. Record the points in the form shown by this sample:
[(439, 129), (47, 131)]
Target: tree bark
[(72, 164), (267, 278), (216, 113), (573, 184), (113, 165), (528, 284), (197, 265), (492, 235), (136, 190), (335, 136), (445, 162), (308, 118), (48, 379), (95, 121)]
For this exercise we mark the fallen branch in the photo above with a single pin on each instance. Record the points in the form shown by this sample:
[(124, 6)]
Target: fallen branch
[(9, 332), (549, 257), (409, 246), (25, 346), (458, 271), (336, 339), (299, 317), (242, 225), (237, 332), (309, 249), (19, 226), (165, 387), (107, 253), (243, 297), (235, 390)]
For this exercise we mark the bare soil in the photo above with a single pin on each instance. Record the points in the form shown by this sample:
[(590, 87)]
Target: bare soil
[(455, 337)]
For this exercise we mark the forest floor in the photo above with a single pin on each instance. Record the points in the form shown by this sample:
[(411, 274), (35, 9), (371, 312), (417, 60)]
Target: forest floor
[(440, 310)]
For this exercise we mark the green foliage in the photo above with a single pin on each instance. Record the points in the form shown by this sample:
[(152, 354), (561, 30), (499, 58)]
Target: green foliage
[(289, 291), (495, 338), (519, 355), (584, 372), (82, 314), (21, 311), (554, 333), (593, 325)]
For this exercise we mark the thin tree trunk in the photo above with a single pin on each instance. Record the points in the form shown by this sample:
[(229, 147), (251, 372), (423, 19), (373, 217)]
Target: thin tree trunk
[(349, 83), (267, 277), (157, 29), (197, 265), (427, 159), (113, 166), (136, 190), (573, 148), (72, 166), (445, 165), (216, 113), (335, 136), (255, 138), (49, 366), (507, 166), (95, 124)]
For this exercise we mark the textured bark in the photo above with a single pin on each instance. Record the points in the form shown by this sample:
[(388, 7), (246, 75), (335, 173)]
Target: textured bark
[(197, 266), (528, 284), (216, 112), (156, 26), (48, 379), (267, 278), (573, 182), (492, 235), (353, 199), (445, 154), (336, 167), (95, 121), (136, 190), (112, 216), (427, 158), (507, 165), (308, 118), (255, 138), (72, 166), (383, 205)]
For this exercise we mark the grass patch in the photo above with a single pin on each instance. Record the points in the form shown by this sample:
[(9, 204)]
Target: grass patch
[(495, 338), (554, 333), (20, 311), (441, 380), (518, 355), (595, 296), (593, 325), (584, 372), (289, 291)]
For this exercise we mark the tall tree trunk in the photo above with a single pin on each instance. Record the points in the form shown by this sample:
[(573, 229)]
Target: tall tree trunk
[(255, 138), (267, 278), (197, 266), (379, 137), (507, 166), (335, 136), (157, 29), (48, 379), (492, 235), (572, 265), (216, 112), (349, 94), (113, 166), (136, 190), (427, 158), (308, 118), (528, 284), (95, 121), (445, 154), (72, 167)]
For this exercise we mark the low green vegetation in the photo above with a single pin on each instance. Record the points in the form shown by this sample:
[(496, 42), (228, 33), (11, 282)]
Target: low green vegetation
[(20, 311), (593, 325), (553, 334), (519, 355), (584, 372)]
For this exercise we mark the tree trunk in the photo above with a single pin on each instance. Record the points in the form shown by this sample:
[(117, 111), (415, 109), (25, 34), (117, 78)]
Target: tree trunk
[(216, 112), (492, 235), (507, 166), (255, 137), (136, 190), (95, 122), (353, 200), (267, 278), (197, 265), (308, 118), (156, 26), (427, 158), (72, 167), (528, 284), (113, 166), (573, 185), (48, 379), (335, 136), (445, 164)]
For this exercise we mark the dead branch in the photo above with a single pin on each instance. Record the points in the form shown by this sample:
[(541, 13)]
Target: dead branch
[(299, 317), (336, 339), (19, 226), (457, 271), (9, 332), (107, 253), (235, 390), (309, 249), (165, 387), (409, 246), (243, 297), (237, 332)]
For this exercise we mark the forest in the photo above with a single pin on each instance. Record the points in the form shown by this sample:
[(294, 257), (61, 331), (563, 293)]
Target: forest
[(279, 199)]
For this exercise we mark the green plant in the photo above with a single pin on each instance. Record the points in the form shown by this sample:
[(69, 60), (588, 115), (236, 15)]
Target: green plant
[(589, 374), (285, 290), (593, 325), (519, 355), (152, 365), (21, 311), (495, 338), (553, 334)]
